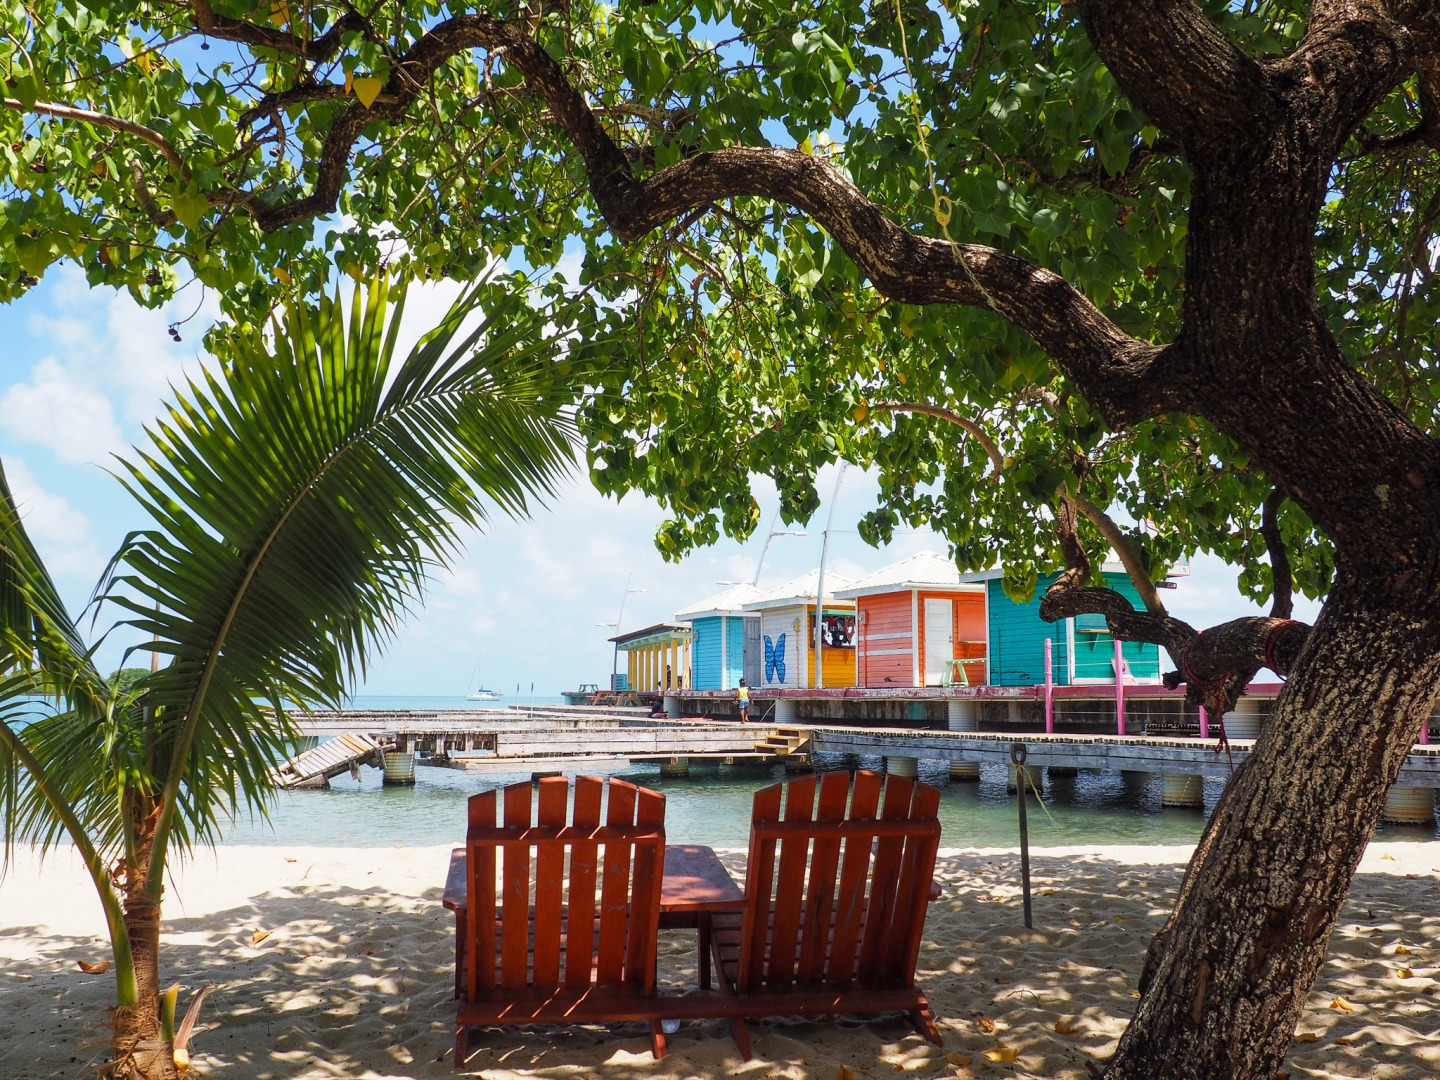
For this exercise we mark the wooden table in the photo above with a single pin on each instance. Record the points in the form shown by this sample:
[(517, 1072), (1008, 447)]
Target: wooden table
[(695, 886)]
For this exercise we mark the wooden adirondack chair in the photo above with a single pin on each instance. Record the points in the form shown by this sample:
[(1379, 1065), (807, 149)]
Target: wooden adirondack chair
[(836, 901), (540, 948)]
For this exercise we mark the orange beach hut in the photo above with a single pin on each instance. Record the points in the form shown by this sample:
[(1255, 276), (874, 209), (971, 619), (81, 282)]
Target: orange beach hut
[(919, 624)]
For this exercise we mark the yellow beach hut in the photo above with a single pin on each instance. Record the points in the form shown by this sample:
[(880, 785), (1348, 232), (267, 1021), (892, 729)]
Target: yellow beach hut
[(657, 657)]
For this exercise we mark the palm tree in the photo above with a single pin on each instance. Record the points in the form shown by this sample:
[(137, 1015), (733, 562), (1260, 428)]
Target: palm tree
[(299, 495)]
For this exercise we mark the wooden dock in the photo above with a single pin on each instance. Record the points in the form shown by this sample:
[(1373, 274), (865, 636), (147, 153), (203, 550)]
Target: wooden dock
[(344, 753), (494, 741)]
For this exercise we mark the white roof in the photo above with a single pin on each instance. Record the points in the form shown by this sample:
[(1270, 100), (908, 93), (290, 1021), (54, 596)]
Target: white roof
[(927, 570), (798, 590), (722, 603), (1107, 567)]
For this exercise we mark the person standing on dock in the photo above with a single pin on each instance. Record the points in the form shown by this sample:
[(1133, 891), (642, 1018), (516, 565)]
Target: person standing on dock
[(742, 699)]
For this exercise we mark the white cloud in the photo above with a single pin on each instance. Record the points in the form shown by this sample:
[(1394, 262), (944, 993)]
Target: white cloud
[(108, 366), (61, 411), (62, 534)]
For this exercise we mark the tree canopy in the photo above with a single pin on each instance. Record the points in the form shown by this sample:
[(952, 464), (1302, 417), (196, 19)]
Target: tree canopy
[(1150, 274), (166, 146)]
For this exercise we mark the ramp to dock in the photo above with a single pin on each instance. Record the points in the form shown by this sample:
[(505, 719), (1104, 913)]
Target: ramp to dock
[(343, 753)]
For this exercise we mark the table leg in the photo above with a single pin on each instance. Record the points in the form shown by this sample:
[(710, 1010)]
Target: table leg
[(704, 934)]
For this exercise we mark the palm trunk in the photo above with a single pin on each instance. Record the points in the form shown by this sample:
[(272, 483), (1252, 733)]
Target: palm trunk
[(1226, 979), (140, 1050)]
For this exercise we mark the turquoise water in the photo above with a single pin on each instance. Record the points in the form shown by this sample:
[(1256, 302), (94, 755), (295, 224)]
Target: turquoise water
[(712, 805), (512, 700)]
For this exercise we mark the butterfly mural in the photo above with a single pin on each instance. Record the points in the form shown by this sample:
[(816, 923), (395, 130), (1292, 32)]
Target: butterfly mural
[(775, 659)]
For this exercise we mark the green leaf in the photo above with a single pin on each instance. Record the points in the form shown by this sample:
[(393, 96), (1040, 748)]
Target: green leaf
[(190, 207)]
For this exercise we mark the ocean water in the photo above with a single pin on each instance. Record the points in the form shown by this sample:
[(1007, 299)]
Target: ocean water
[(512, 700), (712, 805)]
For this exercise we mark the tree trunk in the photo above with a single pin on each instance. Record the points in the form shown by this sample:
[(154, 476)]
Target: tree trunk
[(1227, 978), (140, 1053)]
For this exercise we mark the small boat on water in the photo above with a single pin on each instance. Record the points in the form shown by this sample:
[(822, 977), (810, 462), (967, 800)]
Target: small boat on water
[(480, 693)]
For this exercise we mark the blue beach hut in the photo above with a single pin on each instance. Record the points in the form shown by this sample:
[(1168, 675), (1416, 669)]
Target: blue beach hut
[(717, 641)]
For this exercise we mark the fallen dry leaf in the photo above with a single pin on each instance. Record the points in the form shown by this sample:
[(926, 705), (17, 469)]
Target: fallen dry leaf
[(1065, 1027), (1347, 1040), (842, 1073), (1341, 1003), (1404, 973), (986, 1025), (1004, 1053), (1387, 855), (1306, 1037), (1401, 950), (97, 968), (289, 859), (1135, 993), (958, 1060), (258, 936)]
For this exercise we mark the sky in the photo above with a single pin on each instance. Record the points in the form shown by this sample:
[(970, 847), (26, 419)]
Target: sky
[(530, 603)]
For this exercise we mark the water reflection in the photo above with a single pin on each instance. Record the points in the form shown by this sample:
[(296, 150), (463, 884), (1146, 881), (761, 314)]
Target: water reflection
[(712, 806)]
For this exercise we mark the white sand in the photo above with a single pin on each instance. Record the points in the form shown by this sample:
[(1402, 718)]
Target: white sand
[(354, 979)]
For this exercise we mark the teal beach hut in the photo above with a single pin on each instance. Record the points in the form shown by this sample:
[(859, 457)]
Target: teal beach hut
[(1082, 651)]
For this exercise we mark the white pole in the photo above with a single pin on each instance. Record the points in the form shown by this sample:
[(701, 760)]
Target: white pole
[(770, 539), (820, 585)]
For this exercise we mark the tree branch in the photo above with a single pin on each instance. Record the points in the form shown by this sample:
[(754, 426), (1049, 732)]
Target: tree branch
[(1179, 67), (269, 37), (1215, 666), (98, 119), (987, 444), (1070, 594), (1126, 552), (1282, 602), (1352, 53), (1122, 375)]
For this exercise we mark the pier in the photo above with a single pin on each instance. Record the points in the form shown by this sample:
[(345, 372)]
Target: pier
[(1132, 728), (542, 740)]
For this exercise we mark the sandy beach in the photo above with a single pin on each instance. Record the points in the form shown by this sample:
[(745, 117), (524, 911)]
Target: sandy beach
[(338, 963)]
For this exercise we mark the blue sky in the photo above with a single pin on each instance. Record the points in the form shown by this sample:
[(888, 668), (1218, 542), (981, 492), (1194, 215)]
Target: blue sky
[(85, 369)]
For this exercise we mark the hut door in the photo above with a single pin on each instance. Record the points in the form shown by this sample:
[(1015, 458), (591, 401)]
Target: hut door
[(939, 639), (753, 658)]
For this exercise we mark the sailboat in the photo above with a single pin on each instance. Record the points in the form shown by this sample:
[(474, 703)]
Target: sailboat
[(480, 693)]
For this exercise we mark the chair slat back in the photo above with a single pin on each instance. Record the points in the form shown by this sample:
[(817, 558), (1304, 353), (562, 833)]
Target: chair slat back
[(838, 895), (528, 926)]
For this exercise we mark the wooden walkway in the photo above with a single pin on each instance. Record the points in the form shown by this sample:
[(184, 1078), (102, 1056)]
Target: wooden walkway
[(492, 741)]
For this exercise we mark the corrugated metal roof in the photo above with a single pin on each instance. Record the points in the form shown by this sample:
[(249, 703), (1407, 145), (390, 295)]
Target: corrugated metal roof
[(722, 603), (798, 589), (665, 631), (921, 571)]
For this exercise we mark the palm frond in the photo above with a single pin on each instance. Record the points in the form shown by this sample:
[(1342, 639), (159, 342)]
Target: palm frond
[(56, 709), (300, 496)]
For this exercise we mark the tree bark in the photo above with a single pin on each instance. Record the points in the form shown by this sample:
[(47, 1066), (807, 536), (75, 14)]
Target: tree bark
[(1226, 979)]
